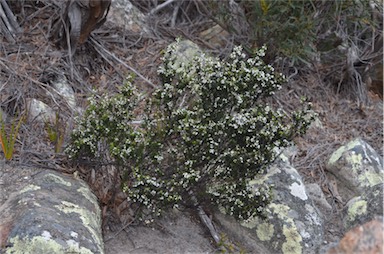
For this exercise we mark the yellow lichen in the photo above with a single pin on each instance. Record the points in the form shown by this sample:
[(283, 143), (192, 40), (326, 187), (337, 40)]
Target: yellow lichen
[(369, 179), (30, 187), (273, 170), (339, 152), (293, 239), (42, 245), (356, 160), (357, 208), (56, 179), (89, 219), (265, 231), (85, 192), (250, 223), (280, 210)]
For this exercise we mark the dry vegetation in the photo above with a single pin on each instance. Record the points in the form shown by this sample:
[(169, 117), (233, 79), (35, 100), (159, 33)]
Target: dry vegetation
[(30, 65)]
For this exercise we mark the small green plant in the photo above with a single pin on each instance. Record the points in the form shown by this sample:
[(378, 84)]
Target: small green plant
[(8, 141), (105, 129), (205, 135), (286, 27), (302, 30), (226, 246), (56, 133)]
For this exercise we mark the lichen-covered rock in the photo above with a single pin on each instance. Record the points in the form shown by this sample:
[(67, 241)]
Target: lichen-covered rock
[(366, 238), (125, 15), (53, 214), (293, 224), (357, 168), (364, 208)]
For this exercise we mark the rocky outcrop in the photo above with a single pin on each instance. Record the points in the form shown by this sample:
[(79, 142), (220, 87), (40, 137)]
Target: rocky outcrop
[(357, 168), (358, 171), (292, 225), (54, 213)]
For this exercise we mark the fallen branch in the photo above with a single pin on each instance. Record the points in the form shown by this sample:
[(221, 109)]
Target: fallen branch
[(208, 223), (161, 6), (8, 24), (206, 220), (102, 51)]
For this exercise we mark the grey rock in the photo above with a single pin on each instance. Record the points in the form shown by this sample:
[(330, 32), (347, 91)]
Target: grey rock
[(40, 112), (293, 224), (316, 194), (125, 15), (54, 213), (216, 36), (357, 167), (64, 90), (364, 208)]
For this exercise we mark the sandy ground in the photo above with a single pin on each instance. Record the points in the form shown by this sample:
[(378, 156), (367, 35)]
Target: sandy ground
[(178, 233)]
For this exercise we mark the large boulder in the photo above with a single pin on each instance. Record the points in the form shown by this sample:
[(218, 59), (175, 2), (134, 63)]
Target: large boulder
[(358, 171), (357, 168), (292, 224), (54, 213)]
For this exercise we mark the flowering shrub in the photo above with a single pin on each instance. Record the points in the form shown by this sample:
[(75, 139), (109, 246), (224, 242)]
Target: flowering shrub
[(205, 135), (105, 129)]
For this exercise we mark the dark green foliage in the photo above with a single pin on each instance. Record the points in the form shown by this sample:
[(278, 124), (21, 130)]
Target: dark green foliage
[(205, 135)]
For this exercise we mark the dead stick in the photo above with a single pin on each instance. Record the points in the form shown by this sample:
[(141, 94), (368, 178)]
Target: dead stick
[(100, 47), (161, 6)]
